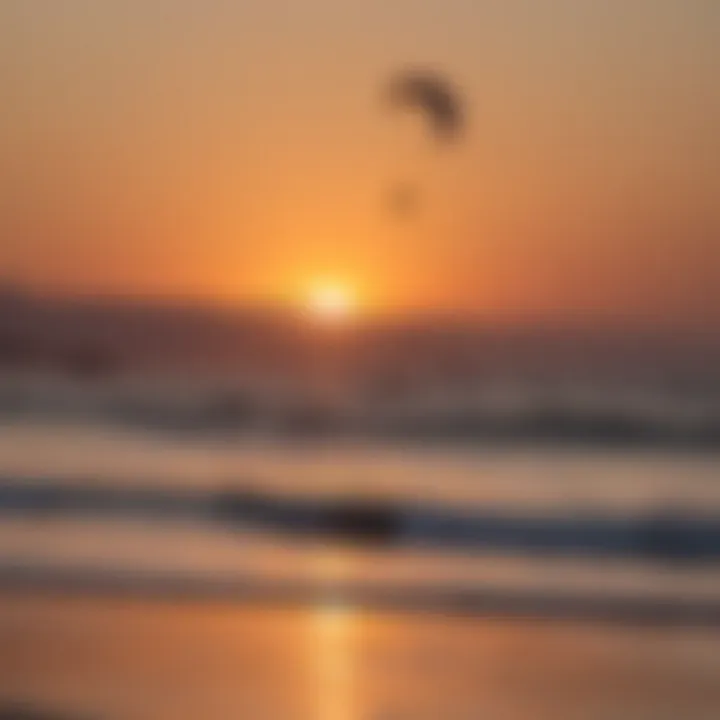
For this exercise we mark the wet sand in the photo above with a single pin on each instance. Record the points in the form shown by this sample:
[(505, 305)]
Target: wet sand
[(153, 660)]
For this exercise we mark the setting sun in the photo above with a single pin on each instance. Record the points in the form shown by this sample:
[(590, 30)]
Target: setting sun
[(330, 301)]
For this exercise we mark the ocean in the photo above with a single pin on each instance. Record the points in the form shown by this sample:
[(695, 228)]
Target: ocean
[(129, 649)]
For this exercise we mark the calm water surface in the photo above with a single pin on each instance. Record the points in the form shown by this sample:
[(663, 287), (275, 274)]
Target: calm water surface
[(155, 661)]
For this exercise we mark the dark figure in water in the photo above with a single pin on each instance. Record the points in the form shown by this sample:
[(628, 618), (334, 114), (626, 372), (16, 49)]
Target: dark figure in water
[(363, 522)]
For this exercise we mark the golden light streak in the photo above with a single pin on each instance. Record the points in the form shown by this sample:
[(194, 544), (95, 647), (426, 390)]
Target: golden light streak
[(331, 642), (334, 666)]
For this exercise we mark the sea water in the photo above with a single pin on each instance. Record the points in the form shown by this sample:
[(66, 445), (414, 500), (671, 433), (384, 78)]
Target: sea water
[(139, 657)]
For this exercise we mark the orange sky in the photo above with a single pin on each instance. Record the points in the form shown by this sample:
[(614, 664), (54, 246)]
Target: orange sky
[(234, 151)]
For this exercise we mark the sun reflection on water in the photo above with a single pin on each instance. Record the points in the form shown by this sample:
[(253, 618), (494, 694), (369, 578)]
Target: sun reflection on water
[(333, 626), (333, 662)]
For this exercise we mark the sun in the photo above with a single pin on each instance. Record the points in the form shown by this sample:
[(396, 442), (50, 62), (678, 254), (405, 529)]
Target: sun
[(330, 301)]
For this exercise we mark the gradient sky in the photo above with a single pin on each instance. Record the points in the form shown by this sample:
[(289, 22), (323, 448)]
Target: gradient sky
[(233, 150)]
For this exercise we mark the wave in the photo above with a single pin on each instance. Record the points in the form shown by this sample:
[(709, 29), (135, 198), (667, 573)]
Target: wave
[(633, 610), (176, 407), (662, 535)]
